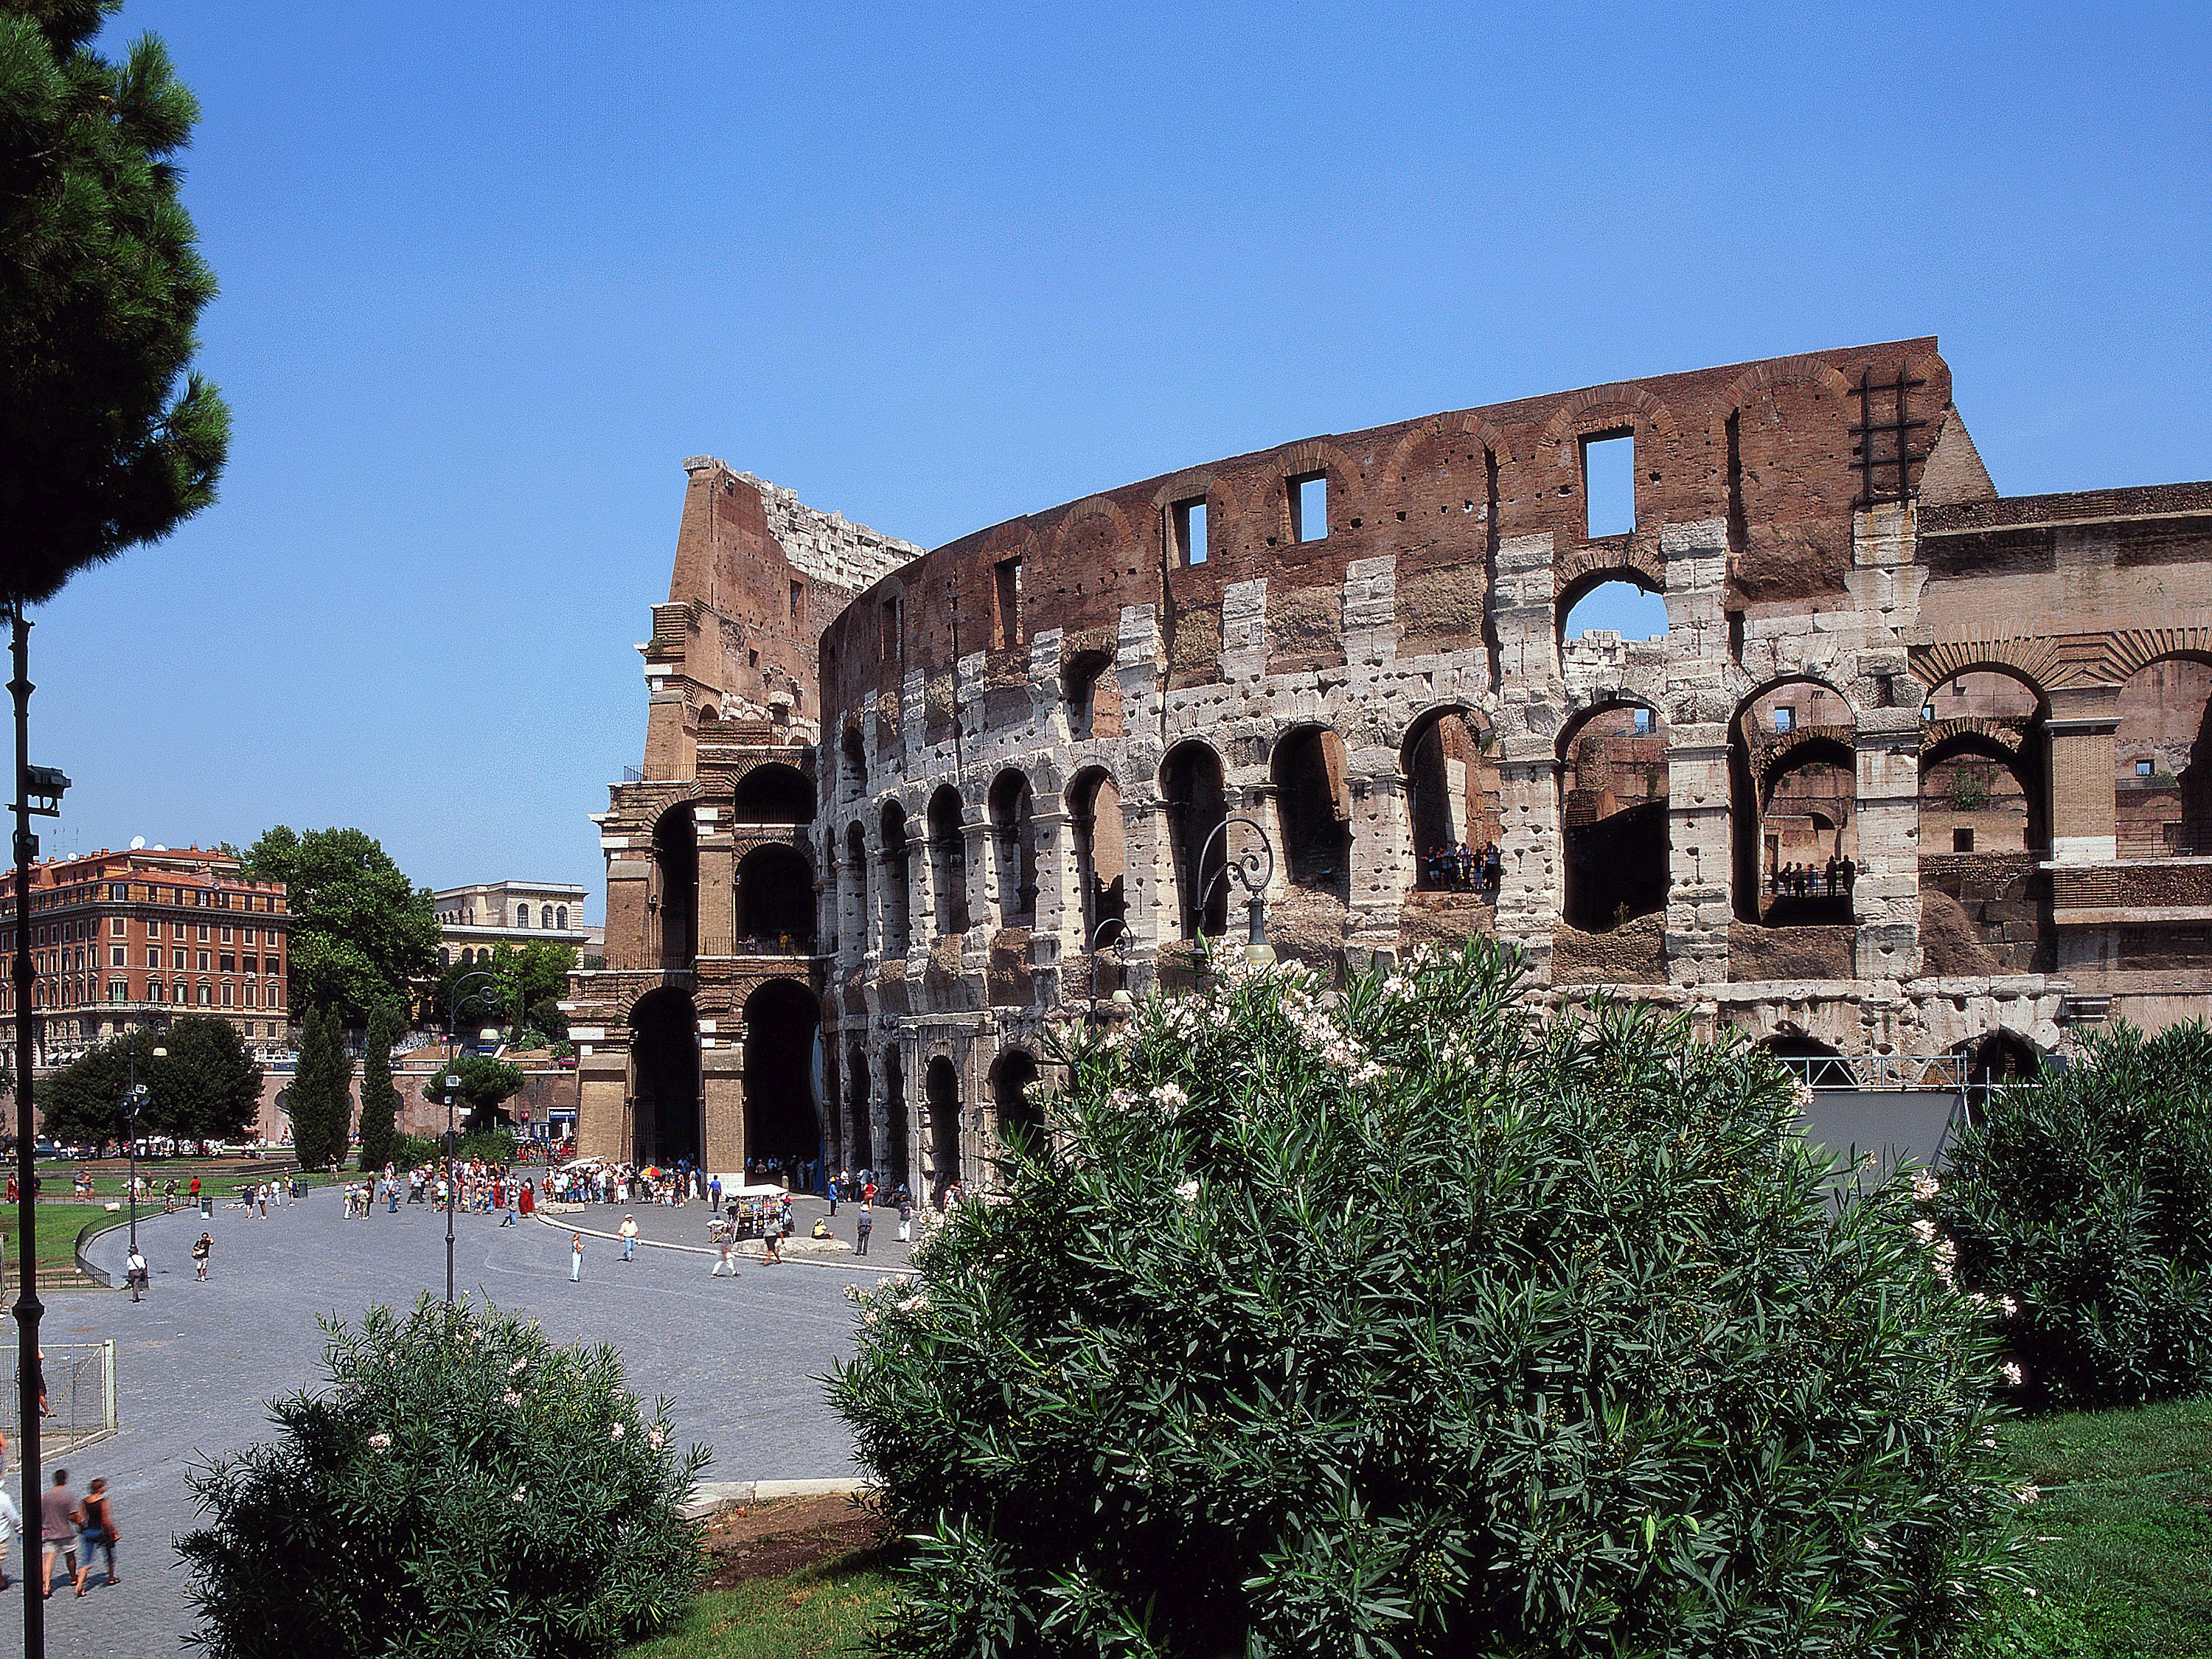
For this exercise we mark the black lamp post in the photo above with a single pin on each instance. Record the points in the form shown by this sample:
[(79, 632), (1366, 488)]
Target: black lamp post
[(1121, 998), (1252, 870), (134, 1101)]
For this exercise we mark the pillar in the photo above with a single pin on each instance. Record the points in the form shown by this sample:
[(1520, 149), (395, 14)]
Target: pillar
[(2083, 721)]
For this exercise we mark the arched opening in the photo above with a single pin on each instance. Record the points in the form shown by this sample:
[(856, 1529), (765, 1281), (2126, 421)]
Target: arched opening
[(898, 880), (1451, 797), (1100, 867), (1613, 816), (1789, 1042), (1793, 770), (782, 1023), (856, 878), (1014, 842), (1191, 789), (1093, 696), (561, 917), (774, 793), (856, 760), (673, 899), (663, 1079), (775, 899), (1981, 768), (1624, 603), (860, 1110), (1313, 810), (948, 862), (898, 1152), (940, 1089), (1015, 1107), (2162, 762)]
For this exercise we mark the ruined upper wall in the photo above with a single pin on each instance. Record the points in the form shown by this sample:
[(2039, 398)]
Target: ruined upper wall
[(1765, 446)]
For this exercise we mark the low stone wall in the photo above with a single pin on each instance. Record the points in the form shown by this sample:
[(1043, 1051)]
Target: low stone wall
[(1634, 953)]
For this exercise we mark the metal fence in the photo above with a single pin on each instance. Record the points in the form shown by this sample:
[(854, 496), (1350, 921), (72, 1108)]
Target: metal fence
[(80, 1397)]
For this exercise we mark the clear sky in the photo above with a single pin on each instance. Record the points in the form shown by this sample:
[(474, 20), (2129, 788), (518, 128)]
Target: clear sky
[(489, 272)]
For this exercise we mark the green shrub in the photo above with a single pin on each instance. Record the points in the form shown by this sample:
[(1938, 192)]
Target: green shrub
[(2085, 1197), (1401, 1325), (423, 1152), (463, 1487)]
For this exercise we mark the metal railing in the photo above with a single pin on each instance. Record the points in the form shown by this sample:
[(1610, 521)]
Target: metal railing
[(80, 1397), (1945, 1073)]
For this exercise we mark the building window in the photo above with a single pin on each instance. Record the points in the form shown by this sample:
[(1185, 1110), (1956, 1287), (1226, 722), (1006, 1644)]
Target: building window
[(1609, 484), (153, 956), (207, 995), (561, 918), (275, 996), (1643, 722), (1006, 582), (118, 990), (229, 964), (522, 915), (546, 915), (799, 601), (1309, 494), (226, 936), (115, 955), (1786, 720), (2144, 769), (1962, 840), (226, 993), (204, 962), (116, 926), (203, 932), (177, 961), (247, 995), (1188, 520), (118, 890)]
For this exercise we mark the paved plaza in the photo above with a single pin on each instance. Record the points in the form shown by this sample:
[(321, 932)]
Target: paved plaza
[(195, 1362)]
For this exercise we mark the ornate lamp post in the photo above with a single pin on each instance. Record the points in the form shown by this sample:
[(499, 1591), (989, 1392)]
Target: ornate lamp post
[(486, 984), (1119, 1001), (134, 1101), (1252, 870)]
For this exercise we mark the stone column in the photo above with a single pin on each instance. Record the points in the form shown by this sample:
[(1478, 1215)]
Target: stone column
[(717, 886), (1698, 853), (1382, 843), (1529, 891), (601, 1122), (722, 1099), (1054, 839), (2083, 721), (632, 939)]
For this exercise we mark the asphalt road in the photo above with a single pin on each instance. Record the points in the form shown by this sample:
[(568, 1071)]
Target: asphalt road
[(196, 1363)]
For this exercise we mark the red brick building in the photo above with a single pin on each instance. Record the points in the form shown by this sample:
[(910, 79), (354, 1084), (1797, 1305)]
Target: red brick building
[(121, 940)]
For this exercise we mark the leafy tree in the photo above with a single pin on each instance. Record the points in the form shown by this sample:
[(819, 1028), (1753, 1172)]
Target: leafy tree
[(100, 289), (1406, 1324), (206, 1088), (363, 934), (209, 1088), (485, 1082), (2079, 1208), (464, 1486), (380, 1099), (526, 980), (320, 1095)]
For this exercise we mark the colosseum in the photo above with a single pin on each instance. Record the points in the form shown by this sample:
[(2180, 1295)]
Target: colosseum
[(1913, 780)]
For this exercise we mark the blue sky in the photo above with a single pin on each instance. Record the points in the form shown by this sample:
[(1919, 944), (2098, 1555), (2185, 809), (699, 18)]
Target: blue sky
[(489, 272)]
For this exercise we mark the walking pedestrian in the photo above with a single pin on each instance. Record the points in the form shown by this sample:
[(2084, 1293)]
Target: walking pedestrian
[(513, 1204), (575, 1257), (863, 1227), (629, 1231), (201, 1251), (95, 1531), (906, 1219), (134, 1273), (58, 1512), (11, 1523)]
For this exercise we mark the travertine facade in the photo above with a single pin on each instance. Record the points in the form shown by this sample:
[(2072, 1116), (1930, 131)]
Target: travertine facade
[(1027, 736)]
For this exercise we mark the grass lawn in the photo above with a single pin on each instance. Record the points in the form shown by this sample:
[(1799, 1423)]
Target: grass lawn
[(822, 1610), (58, 1226), (2126, 1569)]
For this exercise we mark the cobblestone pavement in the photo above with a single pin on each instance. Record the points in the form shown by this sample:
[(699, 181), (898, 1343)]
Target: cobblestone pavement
[(195, 1362)]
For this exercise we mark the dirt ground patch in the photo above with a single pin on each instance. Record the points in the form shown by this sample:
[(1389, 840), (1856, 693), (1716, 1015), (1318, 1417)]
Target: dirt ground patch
[(767, 1540)]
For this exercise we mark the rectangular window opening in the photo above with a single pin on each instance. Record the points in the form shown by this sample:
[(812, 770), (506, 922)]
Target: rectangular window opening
[(888, 642), (1610, 484), (1786, 720), (799, 601), (1962, 840), (1309, 507), (1007, 581), (1190, 531), (2142, 768)]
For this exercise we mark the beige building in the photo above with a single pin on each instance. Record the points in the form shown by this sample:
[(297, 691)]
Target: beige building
[(473, 920)]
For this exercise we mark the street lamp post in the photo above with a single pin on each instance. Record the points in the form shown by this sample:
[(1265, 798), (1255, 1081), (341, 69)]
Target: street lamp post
[(478, 984), (1252, 870), (1121, 998), (134, 1102)]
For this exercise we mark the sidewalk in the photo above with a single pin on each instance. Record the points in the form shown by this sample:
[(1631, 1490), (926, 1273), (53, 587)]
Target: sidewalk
[(685, 1225)]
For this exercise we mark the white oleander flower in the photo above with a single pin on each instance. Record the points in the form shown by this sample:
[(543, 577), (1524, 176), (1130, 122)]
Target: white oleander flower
[(1188, 1191), (518, 1494), (656, 1439), (1925, 1231), (2029, 1493), (2013, 1374), (1924, 1185), (1170, 1096), (515, 1369), (380, 1442), (2008, 1307), (512, 1397), (616, 1433)]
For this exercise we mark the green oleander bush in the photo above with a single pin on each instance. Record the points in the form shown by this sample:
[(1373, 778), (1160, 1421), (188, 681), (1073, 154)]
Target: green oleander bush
[(2082, 1202), (1401, 1324), (463, 1486)]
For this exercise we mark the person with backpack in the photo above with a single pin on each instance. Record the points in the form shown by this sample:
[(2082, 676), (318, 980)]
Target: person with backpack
[(866, 1226), (58, 1515), (201, 1250), (95, 1531)]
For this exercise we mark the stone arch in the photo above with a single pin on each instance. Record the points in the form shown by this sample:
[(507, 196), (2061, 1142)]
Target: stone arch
[(853, 749), (1094, 813), (2033, 662), (1761, 759), (773, 791), (2162, 756), (1014, 842), (1614, 830), (940, 1095), (1447, 760), (898, 879), (2128, 651), (1577, 573), (1313, 809), (948, 859), (781, 1022), (1193, 796), (775, 897), (671, 899), (1575, 413), (859, 1108), (1016, 1110), (1785, 371), (1391, 480), (856, 861), (1064, 530), (665, 1085)]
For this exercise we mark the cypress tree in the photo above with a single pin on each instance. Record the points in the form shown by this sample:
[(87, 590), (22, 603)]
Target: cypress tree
[(380, 1100), (318, 1093)]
